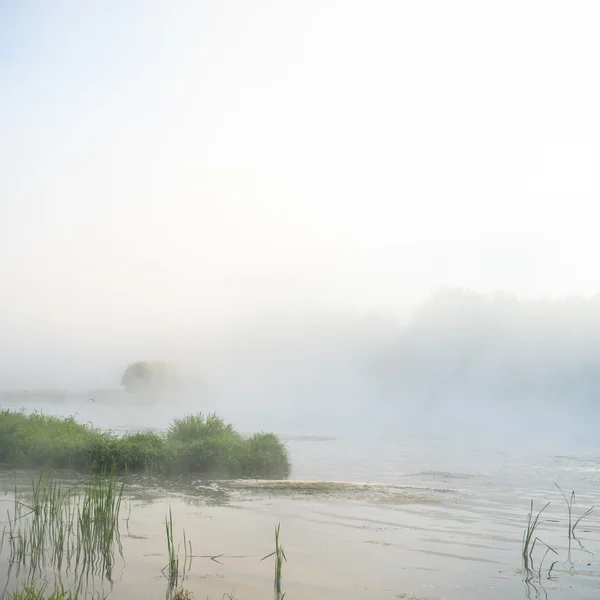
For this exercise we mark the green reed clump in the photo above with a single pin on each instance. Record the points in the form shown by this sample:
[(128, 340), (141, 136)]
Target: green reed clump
[(98, 512), (201, 427), (182, 594), (65, 530), (36, 439), (145, 451), (58, 592), (200, 444), (266, 454)]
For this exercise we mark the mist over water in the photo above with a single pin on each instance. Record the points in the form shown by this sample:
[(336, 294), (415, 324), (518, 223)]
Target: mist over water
[(456, 417), (267, 196), (463, 366)]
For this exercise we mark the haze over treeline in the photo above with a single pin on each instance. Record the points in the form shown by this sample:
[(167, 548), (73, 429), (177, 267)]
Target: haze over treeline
[(458, 346), (168, 166)]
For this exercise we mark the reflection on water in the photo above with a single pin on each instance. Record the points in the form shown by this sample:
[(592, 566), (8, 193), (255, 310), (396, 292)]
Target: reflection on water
[(398, 517)]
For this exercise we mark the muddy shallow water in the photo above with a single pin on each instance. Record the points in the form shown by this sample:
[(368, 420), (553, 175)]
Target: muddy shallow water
[(402, 516)]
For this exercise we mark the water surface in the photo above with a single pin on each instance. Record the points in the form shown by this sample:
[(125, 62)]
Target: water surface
[(377, 515)]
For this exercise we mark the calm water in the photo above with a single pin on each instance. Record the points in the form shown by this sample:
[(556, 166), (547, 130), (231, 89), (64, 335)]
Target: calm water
[(443, 516)]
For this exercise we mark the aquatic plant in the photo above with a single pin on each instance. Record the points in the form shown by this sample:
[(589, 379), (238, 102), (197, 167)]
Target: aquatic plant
[(172, 567), (192, 428), (532, 576), (199, 444), (570, 502), (280, 557), (265, 454), (41, 592), (75, 528), (529, 537), (172, 570), (182, 594)]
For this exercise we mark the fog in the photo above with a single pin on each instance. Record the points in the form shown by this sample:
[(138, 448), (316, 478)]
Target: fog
[(460, 357), (270, 193), (459, 362), (368, 229)]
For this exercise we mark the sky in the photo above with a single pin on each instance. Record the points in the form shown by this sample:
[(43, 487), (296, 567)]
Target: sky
[(173, 163)]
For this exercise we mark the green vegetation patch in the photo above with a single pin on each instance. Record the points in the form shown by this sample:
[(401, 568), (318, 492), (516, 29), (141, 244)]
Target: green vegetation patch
[(199, 444), (43, 592)]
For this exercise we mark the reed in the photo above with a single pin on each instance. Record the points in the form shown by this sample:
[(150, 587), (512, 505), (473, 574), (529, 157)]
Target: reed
[(56, 528), (570, 502), (172, 568), (280, 558), (530, 538), (182, 594), (175, 570), (58, 592), (201, 444)]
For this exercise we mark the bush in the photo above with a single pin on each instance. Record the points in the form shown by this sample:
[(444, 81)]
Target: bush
[(266, 454), (201, 444), (201, 427)]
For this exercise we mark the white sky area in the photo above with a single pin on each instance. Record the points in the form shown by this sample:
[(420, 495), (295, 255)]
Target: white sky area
[(167, 163)]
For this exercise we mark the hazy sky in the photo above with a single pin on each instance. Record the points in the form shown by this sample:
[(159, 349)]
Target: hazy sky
[(168, 161)]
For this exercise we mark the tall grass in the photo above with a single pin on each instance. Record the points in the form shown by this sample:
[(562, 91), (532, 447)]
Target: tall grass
[(195, 427), (530, 539), (62, 529), (280, 557), (172, 570), (98, 522), (570, 502), (200, 444), (41, 592)]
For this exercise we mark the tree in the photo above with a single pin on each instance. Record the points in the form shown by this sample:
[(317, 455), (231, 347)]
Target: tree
[(149, 376)]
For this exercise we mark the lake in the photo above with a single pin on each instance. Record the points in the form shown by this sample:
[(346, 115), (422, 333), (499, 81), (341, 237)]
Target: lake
[(371, 510)]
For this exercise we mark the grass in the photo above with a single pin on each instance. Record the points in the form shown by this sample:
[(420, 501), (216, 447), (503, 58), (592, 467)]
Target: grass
[(530, 539), (172, 567), (33, 592), (280, 557), (74, 528), (182, 594), (570, 502), (199, 444), (172, 570)]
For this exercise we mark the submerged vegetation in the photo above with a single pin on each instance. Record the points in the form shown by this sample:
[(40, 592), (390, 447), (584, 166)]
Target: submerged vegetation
[(57, 534), (280, 557), (198, 444), (534, 576), (63, 538), (44, 592), (69, 531)]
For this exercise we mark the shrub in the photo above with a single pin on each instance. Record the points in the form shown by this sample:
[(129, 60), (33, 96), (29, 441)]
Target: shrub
[(201, 444), (265, 455), (194, 428)]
